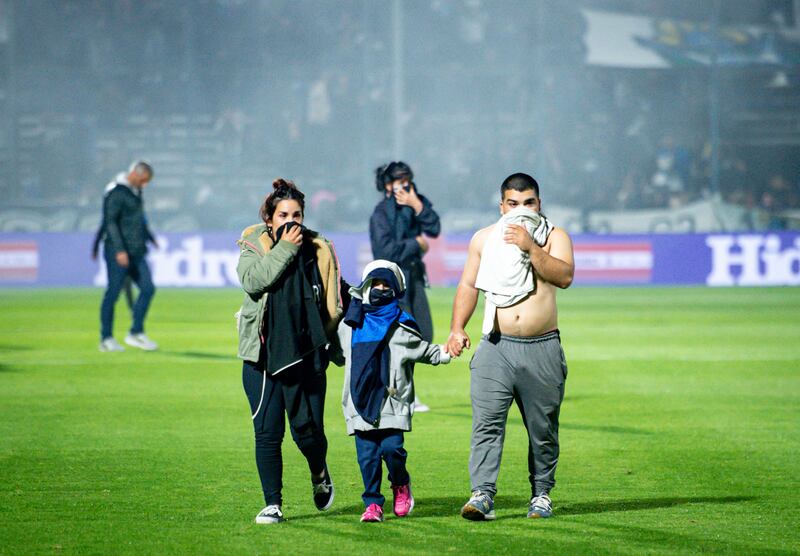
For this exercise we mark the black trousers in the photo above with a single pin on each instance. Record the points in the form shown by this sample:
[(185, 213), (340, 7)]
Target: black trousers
[(415, 302), (299, 393)]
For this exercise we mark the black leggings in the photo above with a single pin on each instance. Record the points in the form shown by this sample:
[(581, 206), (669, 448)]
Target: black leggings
[(300, 393)]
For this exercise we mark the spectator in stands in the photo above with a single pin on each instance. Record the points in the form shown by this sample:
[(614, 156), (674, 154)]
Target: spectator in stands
[(770, 208), (629, 195), (776, 198), (778, 187), (668, 183), (125, 247), (397, 230), (736, 179)]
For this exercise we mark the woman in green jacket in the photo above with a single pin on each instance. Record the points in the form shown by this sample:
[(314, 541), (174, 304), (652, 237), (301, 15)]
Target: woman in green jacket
[(287, 332)]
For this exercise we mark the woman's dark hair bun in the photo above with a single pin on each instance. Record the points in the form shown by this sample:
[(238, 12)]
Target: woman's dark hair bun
[(280, 182)]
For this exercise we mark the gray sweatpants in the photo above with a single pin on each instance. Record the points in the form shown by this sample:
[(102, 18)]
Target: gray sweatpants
[(530, 371)]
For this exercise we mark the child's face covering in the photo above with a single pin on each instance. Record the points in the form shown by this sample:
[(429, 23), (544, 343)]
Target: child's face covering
[(380, 293)]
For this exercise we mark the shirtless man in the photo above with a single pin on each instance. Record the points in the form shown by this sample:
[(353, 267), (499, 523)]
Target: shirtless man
[(520, 360)]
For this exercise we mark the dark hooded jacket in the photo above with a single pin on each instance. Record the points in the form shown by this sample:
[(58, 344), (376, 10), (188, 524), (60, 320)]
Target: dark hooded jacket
[(393, 230)]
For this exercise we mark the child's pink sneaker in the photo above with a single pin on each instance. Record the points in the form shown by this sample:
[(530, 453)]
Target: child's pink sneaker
[(373, 514), (403, 500)]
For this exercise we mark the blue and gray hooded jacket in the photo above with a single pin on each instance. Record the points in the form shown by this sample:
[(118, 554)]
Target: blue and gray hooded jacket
[(381, 345)]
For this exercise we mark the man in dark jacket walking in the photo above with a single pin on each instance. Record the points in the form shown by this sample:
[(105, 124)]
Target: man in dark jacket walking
[(125, 248), (397, 231)]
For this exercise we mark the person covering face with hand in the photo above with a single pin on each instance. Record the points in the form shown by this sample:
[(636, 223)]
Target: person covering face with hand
[(381, 344), (399, 228), (519, 263), (287, 334)]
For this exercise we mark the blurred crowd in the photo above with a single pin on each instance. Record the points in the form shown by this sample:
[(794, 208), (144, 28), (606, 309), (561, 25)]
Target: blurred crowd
[(222, 96)]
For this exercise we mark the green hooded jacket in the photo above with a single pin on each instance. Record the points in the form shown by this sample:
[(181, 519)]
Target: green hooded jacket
[(260, 265)]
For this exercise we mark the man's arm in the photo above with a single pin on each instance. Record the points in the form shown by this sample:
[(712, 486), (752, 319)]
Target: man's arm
[(98, 237), (112, 210), (557, 266), (149, 234), (466, 297)]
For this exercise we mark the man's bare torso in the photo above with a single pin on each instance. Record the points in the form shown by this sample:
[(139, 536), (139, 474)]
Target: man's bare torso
[(534, 315)]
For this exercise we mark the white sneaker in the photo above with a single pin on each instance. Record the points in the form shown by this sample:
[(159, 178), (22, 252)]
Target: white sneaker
[(110, 344), (141, 341), (419, 406), (270, 514)]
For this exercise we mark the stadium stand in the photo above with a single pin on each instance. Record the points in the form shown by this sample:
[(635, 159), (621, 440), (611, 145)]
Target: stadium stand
[(220, 116)]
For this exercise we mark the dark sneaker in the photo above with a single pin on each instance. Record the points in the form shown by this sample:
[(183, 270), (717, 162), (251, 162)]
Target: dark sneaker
[(323, 493), (270, 514), (480, 507), (540, 506)]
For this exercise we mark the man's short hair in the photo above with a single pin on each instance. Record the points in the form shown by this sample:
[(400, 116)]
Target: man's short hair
[(519, 182), (141, 167)]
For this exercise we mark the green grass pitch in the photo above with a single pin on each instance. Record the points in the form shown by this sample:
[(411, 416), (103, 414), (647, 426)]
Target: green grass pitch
[(680, 433)]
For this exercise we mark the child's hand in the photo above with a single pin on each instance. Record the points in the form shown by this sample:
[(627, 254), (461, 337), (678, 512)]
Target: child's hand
[(444, 357)]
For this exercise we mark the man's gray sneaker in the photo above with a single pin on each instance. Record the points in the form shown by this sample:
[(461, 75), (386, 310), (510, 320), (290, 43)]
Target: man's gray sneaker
[(540, 506), (110, 344), (270, 514), (141, 341), (480, 507)]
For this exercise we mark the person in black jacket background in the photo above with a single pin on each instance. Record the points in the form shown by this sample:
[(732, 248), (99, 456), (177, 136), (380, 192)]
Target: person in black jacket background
[(124, 249), (100, 236), (397, 230)]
